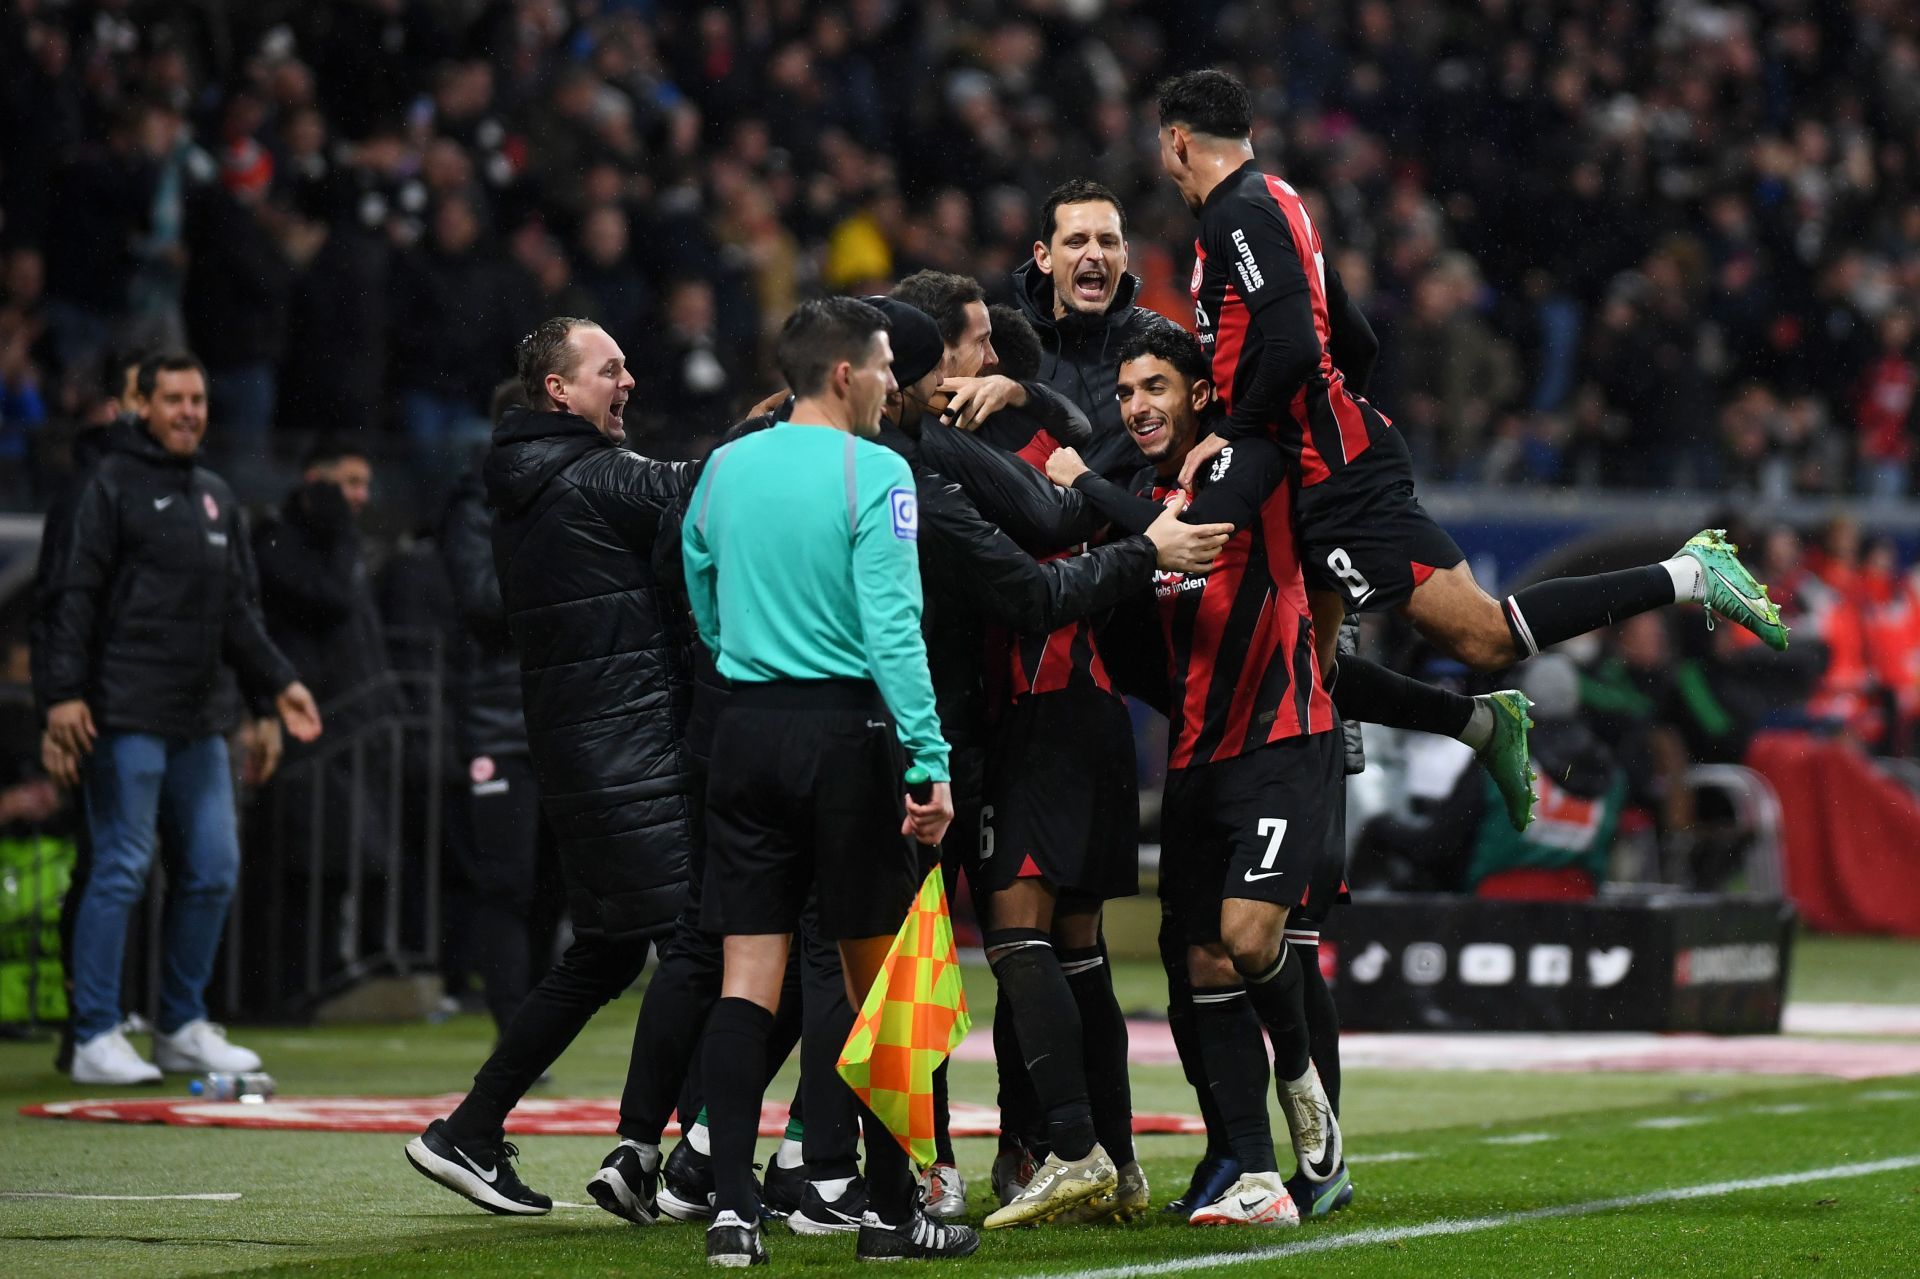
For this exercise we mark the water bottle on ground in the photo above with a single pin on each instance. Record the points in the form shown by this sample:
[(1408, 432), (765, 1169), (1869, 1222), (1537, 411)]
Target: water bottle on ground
[(220, 1085)]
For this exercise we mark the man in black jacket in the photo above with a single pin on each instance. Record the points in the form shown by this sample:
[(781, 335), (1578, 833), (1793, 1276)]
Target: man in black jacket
[(150, 598), (508, 839), (318, 601), (1078, 295), (606, 694)]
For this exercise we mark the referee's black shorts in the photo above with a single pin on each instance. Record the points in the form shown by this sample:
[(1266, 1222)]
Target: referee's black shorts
[(804, 800)]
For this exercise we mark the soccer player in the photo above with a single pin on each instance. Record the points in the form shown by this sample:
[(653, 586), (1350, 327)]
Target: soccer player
[(1289, 354), (804, 578), (1253, 821)]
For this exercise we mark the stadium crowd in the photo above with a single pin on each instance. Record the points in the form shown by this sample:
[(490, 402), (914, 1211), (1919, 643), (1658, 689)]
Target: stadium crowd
[(1603, 243)]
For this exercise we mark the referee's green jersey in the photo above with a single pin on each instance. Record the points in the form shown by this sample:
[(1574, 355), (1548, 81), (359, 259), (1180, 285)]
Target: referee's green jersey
[(803, 563)]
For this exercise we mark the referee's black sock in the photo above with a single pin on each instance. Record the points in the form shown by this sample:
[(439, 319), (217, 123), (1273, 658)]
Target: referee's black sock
[(1323, 1019), (735, 1066), (1020, 1118), (1034, 989), (1186, 1039), (1372, 694), (1237, 1073), (1277, 999), (1103, 1036), (1543, 615)]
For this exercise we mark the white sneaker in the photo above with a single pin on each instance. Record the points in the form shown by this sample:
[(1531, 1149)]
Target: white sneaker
[(1058, 1186), (201, 1046), (1310, 1121), (945, 1192), (1257, 1199), (110, 1059)]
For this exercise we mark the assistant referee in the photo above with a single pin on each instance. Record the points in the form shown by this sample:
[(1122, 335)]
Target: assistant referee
[(803, 573)]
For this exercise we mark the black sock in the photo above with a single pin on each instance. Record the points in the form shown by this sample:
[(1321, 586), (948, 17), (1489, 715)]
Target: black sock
[(1543, 615), (1103, 1038), (831, 1144), (735, 1060), (1369, 693), (1323, 1018), (1019, 1108), (942, 1118), (1034, 989), (1229, 1036), (1186, 1040), (890, 1181), (1276, 998)]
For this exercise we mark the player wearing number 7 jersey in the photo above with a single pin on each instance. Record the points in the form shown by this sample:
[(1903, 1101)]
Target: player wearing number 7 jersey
[(1290, 354), (1252, 824)]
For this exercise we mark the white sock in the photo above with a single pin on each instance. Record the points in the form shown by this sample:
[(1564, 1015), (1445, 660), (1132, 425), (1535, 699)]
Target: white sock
[(1689, 581), (697, 1138), (788, 1156), (831, 1188), (649, 1153), (1479, 729)]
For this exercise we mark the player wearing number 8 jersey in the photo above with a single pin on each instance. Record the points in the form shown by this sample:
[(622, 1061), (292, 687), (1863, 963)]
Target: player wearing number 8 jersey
[(1290, 354)]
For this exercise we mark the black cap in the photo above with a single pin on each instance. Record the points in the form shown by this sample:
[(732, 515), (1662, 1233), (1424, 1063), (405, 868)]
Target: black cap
[(917, 348)]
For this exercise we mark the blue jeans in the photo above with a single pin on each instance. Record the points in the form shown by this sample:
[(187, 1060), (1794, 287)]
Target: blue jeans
[(135, 781)]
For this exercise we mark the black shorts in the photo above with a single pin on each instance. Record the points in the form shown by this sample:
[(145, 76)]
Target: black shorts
[(1269, 825), (1364, 534), (1063, 797), (804, 798)]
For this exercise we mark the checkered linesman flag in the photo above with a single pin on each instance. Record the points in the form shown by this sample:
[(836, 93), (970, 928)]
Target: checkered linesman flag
[(913, 1018)]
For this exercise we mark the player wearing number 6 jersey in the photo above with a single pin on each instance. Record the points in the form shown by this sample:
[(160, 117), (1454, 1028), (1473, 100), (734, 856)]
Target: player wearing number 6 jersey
[(1290, 354)]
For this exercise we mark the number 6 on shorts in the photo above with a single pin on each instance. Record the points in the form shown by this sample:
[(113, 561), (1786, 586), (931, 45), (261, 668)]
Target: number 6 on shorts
[(1275, 828)]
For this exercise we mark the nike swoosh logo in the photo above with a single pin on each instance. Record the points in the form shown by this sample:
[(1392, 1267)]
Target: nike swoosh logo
[(161, 503), (1252, 1205), (1757, 605), (1253, 878), (488, 1175)]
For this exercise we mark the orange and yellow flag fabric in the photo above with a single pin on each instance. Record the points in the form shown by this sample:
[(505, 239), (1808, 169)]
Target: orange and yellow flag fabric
[(915, 1015)]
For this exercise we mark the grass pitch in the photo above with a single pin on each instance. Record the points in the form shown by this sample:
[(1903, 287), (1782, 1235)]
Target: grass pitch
[(1445, 1165)]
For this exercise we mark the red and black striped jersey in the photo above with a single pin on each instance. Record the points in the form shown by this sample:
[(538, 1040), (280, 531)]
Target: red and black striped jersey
[(1070, 656), (1259, 277), (1241, 663)]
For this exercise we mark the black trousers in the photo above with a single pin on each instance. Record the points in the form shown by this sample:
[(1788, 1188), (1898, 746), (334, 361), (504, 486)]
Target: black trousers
[(507, 915), (592, 971)]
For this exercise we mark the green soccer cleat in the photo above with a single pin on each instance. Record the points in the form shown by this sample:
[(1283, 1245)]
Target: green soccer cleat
[(1731, 590), (1506, 757)]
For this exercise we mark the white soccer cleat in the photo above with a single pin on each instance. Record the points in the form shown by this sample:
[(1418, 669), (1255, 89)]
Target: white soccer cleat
[(1058, 1186), (1316, 1133), (110, 1059), (945, 1192), (1257, 1199), (201, 1046)]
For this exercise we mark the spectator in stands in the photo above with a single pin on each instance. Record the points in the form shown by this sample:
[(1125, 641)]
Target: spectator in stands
[(692, 377), (1885, 409), (1455, 374), (150, 598)]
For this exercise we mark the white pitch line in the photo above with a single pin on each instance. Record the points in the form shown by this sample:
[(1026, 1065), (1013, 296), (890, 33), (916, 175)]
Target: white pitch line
[(1517, 1139), (1671, 1121), (1386, 1157), (227, 1196), (1469, 1225)]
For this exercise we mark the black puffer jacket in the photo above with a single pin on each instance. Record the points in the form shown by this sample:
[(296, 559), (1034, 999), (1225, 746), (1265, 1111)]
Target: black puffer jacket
[(606, 686), (151, 596), (1082, 358), (318, 603), (488, 708)]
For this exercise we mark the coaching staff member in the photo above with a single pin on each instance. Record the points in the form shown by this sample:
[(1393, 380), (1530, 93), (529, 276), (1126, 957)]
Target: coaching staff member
[(606, 695), (151, 597), (803, 574)]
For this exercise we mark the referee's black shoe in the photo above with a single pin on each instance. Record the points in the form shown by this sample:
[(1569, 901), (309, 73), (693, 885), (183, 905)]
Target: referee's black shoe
[(918, 1238), (626, 1188), (816, 1215), (686, 1184), (480, 1172), (1211, 1179), (734, 1243)]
